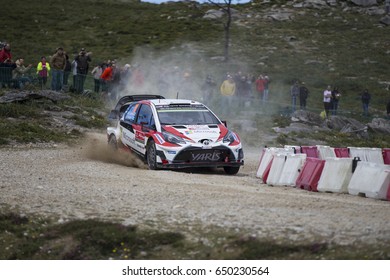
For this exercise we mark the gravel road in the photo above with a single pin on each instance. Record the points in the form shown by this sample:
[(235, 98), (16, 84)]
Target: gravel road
[(85, 182)]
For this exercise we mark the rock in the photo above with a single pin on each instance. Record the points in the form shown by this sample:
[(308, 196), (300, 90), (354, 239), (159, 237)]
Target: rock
[(307, 117), (364, 3), (22, 96), (280, 16), (380, 125), (213, 14), (385, 20)]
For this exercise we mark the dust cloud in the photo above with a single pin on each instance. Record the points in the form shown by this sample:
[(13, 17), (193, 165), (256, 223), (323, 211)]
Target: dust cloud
[(96, 148)]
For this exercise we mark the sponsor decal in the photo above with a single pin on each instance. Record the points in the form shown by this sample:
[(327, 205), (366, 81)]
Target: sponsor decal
[(159, 138), (172, 152), (139, 136), (210, 156), (127, 137)]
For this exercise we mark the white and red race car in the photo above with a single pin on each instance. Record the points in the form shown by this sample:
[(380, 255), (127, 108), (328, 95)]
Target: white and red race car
[(174, 133)]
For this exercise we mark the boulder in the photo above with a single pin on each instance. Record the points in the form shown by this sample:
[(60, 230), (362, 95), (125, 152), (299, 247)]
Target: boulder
[(307, 117), (380, 125), (385, 20), (213, 14), (365, 3), (22, 96)]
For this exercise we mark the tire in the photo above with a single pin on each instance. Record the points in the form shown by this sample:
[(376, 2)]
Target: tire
[(151, 156), (112, 143), (231, 170)]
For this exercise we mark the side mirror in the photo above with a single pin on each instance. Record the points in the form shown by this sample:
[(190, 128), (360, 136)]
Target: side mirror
[(224, 123)]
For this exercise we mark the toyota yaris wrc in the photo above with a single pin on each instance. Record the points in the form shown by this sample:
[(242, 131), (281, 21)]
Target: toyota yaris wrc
[(174, 133)]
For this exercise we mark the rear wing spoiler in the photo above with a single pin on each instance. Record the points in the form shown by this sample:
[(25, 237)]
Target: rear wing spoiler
[(115, 113)]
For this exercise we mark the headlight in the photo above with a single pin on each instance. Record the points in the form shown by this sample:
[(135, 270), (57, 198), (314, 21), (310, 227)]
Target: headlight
[(169, 137), (230, 137)]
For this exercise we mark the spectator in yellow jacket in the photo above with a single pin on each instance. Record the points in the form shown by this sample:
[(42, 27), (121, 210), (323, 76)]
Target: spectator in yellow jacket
[(228, 89), (43, 70)]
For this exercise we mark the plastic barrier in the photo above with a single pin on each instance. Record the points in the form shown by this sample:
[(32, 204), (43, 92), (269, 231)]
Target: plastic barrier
[(276, 169), (370, 179), (267, 156), (336, 175), (310, 175), (388, 192), (325, 152), (266, 171), (261, 158), (386, 155), (297, 149), (341, 152), (291, 169), (367, 154), (310, 151)]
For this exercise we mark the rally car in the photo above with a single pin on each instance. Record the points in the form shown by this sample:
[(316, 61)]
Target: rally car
[(173, 133)]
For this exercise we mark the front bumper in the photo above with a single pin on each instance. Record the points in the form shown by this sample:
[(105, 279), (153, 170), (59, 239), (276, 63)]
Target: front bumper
[(197, 156)]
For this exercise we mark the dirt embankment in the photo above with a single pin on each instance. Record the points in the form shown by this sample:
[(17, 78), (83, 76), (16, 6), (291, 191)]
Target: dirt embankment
[(85, 181)]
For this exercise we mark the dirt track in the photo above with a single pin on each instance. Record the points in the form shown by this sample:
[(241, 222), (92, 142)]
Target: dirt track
[(82, 182)]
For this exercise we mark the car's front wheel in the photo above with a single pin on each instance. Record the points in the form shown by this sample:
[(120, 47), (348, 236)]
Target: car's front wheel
[(231, 170), (151, 155), (112, 143)]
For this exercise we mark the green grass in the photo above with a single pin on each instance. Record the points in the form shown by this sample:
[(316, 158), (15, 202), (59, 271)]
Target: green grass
[(24, 237), (26, 122), (350, 48)]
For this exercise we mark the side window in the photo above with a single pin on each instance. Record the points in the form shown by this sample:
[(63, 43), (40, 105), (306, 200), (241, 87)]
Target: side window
[(145, 115), (131, 112)]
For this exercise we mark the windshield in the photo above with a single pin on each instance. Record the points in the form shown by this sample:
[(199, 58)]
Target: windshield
[(185, 114)]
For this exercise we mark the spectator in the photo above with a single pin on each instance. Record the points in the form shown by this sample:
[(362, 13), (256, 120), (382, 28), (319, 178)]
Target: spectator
[(107, 77), (43, 70), (387, 6), (58, 63), (18, 74), (228, 90), (125, 77), (327, 100), (208, 89), (6, 65), (82, 59), (366, 97), (335, 100), (303, 95), (137, 77), (388, 110), (97, 72), (294, 92), (67, 70), (74, 74), (266, 89), (260, 88), (5, 54)]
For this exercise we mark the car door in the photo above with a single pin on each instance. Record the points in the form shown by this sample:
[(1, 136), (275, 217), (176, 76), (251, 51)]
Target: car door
[(127, 125), (143, 126)]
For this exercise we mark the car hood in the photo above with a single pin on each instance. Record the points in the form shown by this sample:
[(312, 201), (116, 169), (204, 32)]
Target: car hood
[(197, 132)]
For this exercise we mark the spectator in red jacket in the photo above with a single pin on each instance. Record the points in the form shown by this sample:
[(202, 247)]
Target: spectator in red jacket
[(6, 66), (5, 54), (107, 77)]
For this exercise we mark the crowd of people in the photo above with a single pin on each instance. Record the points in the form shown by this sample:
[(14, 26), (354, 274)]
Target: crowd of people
[(110, 79)]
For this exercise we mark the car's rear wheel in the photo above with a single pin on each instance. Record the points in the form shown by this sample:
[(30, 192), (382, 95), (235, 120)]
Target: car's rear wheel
[(231, 170), (112, 143), (151, 155)]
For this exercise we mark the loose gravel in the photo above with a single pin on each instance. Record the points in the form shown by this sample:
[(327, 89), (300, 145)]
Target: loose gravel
[(85, 181)]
